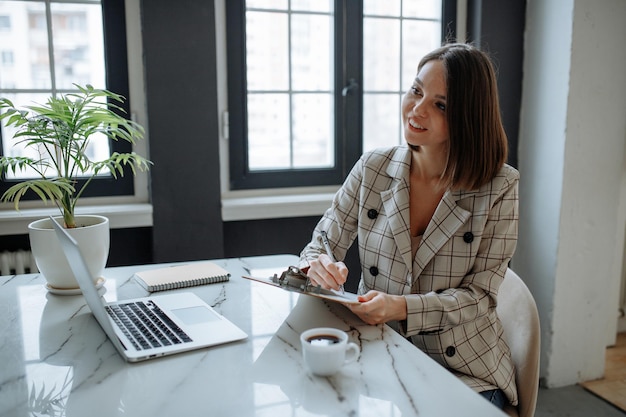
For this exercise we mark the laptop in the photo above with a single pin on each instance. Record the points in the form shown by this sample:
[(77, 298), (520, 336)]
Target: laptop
[(153, 326)]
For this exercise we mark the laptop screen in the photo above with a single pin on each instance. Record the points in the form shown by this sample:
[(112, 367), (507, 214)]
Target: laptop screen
[(85, 281)]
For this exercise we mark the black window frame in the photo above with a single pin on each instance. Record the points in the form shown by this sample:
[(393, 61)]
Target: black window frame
[(116, 69), (348, 25)]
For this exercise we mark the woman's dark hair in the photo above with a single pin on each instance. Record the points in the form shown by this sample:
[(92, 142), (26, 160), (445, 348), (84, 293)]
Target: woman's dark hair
[(478, 144)]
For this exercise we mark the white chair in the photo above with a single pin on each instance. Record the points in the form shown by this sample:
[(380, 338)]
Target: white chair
[(518, 313)]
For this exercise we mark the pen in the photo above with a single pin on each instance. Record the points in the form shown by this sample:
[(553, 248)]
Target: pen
[(330, 253)]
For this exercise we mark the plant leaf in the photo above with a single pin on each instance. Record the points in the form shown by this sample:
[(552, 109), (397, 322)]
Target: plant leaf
[(17, 164), (47, 189)]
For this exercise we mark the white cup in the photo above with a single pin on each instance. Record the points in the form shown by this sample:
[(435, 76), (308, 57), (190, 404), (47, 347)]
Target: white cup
[(326, 350)]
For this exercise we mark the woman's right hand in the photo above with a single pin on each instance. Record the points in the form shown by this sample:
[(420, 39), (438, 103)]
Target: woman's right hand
[(326, 273)]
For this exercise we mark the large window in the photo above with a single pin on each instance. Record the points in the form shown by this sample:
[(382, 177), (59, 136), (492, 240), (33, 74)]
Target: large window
[(46, 47), (313, 84)]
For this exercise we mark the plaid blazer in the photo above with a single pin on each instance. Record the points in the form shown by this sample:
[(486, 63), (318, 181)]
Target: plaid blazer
[(451, 285)]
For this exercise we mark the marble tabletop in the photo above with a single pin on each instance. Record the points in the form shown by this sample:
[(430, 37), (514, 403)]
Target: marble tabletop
[(56, 361)]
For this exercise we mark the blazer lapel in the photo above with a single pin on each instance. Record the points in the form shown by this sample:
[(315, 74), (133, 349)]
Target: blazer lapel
[(448, 218), (396, 203)]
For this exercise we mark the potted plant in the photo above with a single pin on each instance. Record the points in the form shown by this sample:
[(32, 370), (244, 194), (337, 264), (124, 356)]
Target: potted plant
[(60, 132)]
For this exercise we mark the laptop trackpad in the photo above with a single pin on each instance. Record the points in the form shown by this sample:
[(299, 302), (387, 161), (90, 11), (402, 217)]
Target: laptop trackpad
[(195, 315)]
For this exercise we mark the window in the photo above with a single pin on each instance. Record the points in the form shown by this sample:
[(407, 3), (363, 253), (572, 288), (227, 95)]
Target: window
[(6, 58), (312, 84), (5, 23), (47, 46)]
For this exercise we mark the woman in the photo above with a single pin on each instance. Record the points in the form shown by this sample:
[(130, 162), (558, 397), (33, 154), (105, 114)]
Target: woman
[(436, 222)]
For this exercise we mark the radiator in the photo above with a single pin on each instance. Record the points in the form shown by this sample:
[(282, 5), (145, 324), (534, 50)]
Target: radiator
[(17, 262)]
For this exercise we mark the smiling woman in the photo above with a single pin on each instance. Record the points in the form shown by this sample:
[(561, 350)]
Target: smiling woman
[(435, 235)]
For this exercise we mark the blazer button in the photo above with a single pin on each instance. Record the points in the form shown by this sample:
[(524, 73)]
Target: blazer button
[(372, 213), (468, 237), (450, 351), (373, 270)]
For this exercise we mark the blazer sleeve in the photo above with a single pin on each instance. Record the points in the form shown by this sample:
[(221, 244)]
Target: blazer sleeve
[(435, 312), (340, 221)]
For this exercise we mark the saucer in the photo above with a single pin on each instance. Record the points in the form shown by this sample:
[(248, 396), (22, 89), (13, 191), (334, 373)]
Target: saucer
[(73, 291)]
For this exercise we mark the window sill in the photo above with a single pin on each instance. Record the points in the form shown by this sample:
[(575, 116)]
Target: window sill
[(237, 206), (120, 216)]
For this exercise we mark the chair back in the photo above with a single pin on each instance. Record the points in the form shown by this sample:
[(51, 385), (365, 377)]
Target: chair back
[(520, 319)]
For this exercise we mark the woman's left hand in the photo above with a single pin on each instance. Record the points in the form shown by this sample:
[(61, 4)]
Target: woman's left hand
[(377, 307)]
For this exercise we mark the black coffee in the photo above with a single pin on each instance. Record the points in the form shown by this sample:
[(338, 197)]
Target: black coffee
[(323, 340)]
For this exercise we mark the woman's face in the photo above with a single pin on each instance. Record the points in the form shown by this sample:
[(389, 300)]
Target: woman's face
[(424, 108)]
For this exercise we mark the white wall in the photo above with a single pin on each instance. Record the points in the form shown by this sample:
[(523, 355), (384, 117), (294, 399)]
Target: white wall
[(571, 159)]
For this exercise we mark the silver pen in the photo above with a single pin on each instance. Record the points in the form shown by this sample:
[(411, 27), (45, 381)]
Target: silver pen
[(329, 252)]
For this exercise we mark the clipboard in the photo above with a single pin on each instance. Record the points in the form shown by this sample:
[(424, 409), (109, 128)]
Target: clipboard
[(294, 280)]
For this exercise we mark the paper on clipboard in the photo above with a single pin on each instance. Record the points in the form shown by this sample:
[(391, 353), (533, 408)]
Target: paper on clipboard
[(294, 280)]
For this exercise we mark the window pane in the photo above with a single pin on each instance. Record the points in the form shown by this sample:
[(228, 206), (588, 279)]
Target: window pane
[(11, 147), (425, 9), (381, 8), (324, 6), (267, 51), (7, 58), (381, 120), (311, 51), (418, 38), (381, 54), (292, 130), (268, 131), (313, 131), (267, 4), (5, 23), (78, 44), (392, 48), (25, 37), (78, 49)]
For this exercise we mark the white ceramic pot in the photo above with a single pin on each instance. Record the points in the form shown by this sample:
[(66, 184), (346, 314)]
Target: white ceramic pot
[(91, 233)]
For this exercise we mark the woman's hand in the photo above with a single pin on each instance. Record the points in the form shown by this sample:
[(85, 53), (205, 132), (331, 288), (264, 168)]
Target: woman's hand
[(330, 275), (377, 307)]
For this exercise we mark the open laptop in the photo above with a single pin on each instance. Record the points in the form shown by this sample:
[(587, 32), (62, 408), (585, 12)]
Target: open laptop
[(148, 327)]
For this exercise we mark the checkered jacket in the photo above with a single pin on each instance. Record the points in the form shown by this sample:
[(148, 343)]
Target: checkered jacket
[(451, 285)]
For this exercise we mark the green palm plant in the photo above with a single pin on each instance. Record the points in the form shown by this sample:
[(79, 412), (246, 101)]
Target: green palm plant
[(61, 130)]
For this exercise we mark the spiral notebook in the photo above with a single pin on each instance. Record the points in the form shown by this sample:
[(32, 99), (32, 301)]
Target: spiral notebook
[(180, 276)]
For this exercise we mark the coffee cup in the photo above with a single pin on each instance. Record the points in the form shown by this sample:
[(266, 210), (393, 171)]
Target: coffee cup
[(326, 350)]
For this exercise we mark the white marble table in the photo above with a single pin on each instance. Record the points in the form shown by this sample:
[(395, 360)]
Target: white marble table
[(57, 361)]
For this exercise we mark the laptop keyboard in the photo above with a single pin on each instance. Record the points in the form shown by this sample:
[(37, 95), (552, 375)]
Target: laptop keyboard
[(146, 325)]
